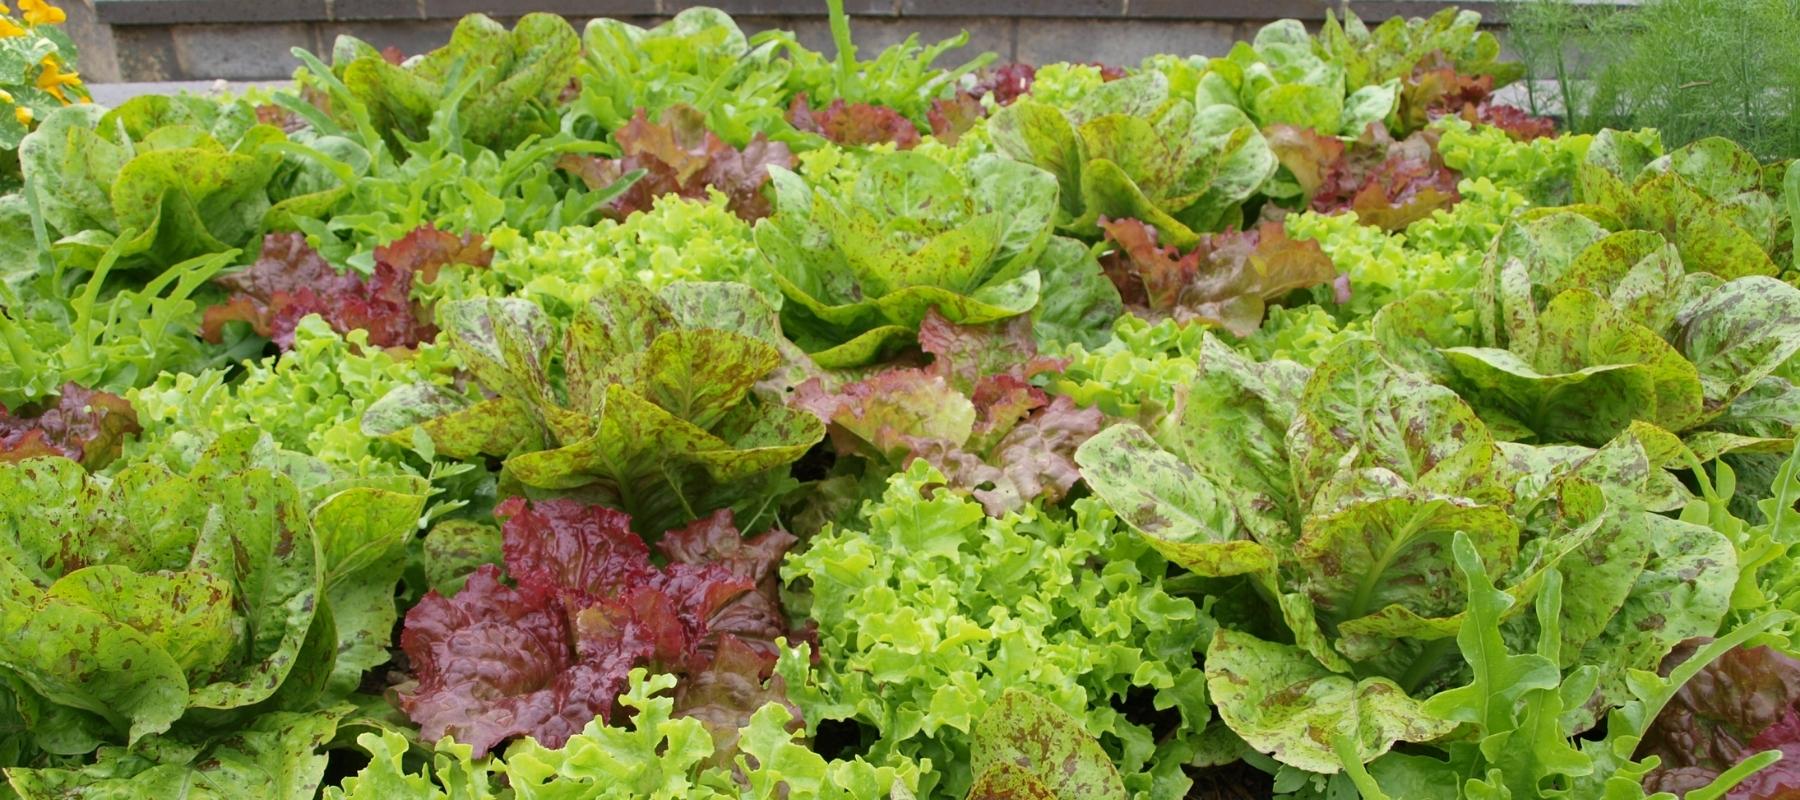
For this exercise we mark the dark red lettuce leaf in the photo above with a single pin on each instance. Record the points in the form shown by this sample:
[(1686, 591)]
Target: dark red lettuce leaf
[(680, 156), (972, 413), (1108, 72), (291, 280), (1389, 184), (81, 425), (1308, 155), (1009, 82), (858, 124), (544, 658), (1436, 89), (1746, 702), (952, 117), (1226, 281), (725, 695), (494, 662)]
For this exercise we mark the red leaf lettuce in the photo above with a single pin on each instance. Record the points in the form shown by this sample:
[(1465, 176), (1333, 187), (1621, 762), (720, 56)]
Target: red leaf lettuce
[(854, 123), (1746, 702), (544, 657), (291, 280), (973, 414), (680, 156), (1226, 281), (82, 425)]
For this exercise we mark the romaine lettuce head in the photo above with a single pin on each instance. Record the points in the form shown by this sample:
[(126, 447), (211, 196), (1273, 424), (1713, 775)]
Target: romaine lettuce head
[(149, 599), (161, 179), (1337, 496), (1131, 149), (1589, 330), (650, 405), (493, 77), (861, 261)]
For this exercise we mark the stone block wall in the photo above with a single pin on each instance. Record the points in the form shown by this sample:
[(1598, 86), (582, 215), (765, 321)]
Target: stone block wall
[(187, 40)]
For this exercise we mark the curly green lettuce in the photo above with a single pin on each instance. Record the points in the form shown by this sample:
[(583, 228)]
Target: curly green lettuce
[(658, 756), (970, 606)]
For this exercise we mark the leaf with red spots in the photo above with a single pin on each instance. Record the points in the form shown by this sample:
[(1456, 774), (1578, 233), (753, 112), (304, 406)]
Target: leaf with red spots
[(1226, 281), (680, 156), (81, 425)]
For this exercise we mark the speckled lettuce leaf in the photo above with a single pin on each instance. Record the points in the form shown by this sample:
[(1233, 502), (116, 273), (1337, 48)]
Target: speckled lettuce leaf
[(1130, 150), (1737, 335), (1185, 516), (861, 262), (204, 589), (654, 408), (1359, 412), (363, 533), (1285, 705), (1235, 418), (276, 756), (505, 74), (1595, 370), (1024, 733)]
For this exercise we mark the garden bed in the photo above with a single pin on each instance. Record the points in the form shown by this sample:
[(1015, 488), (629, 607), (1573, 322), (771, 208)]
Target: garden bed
[(674, 413)]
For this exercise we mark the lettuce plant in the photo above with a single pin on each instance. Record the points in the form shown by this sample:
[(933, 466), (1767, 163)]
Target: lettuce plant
[(1226, 281), (699, 58), (165, 179), (661, 755), (861, 262), (290, 280), (680, 156), (498, 81), (1335, 495), (1132, 148), (1283, 77), (1389, 184), (155, 603), (971, 607), (83, 426), (973, 414), (647, 406), (1589, 330), (548, 654)]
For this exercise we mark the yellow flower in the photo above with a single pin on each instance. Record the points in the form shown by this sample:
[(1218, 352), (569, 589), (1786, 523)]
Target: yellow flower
[(52, 79), (23, 115), (9, 29), (38, 12), (6, 97)]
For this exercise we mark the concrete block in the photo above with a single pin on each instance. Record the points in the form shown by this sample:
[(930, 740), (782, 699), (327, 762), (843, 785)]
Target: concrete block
[(1015, 8), (1232, 10), (784, 8), (146, 54), (237, 52), (410, 37), (1123, 43)]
